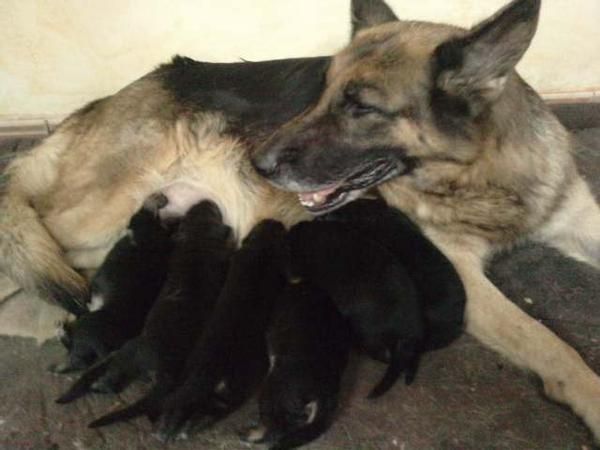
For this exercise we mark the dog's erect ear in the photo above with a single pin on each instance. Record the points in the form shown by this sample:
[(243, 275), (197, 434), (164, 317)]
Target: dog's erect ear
[(476, 66), (368, 13)]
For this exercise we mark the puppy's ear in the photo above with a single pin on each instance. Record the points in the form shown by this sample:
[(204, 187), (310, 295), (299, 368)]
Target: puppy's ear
[(368, 13), (475, 67)]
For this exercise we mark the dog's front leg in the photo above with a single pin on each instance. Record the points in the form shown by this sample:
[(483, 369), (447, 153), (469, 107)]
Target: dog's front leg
[(574, 228), (500, 324)]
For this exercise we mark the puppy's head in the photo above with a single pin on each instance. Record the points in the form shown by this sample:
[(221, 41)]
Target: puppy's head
[(203, 221), (402, 95), (145, 227)]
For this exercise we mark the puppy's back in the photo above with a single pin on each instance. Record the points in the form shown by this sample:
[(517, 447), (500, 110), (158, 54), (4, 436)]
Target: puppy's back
[(434, 275)]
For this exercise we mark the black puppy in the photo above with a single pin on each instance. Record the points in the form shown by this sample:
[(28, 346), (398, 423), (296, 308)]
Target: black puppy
[(196, 272), (438, 284), (230, 358), (309, 343), (370, 288), (122, 292)]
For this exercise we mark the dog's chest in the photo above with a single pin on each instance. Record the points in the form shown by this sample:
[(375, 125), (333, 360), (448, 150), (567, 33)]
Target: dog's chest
[(493, 213)]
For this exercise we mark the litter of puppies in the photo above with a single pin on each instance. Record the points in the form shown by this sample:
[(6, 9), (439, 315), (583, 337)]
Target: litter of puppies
[(280, 315)]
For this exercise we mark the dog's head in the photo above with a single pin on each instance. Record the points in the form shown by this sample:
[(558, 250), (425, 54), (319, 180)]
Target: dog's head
[(402, 94)]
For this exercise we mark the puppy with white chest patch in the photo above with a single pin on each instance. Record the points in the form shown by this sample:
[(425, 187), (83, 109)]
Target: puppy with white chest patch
[(197, 269), (123, 291), (230, 358), (309, 343)]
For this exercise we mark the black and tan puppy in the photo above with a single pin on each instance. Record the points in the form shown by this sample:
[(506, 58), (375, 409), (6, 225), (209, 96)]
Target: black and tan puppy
[(196, 272), (371, 289), (123, 291), (309, 343), (230, 359)]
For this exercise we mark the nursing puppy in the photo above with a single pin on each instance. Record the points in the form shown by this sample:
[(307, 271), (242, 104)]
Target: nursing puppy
[(439, 286), (230, 358), (309, 343), (196, 272), (371, 289), (122, 292)]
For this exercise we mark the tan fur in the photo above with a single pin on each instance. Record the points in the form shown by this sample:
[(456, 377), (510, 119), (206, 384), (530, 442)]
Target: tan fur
[(69, 199)]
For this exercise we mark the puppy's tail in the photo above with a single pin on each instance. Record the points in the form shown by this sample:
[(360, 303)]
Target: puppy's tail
[(28, 253), (404, 359), (149, 405)]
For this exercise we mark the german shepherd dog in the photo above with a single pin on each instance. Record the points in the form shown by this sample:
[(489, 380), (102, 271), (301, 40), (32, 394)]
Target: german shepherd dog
[(434, 116), (438, 119)]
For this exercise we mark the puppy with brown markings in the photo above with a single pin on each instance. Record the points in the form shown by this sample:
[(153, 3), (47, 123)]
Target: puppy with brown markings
[(123, 291), (196, 272), (309, 343), (230, 359)]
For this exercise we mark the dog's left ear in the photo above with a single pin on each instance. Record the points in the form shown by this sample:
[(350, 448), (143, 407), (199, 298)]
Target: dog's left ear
[(476, 66), (368, 13)]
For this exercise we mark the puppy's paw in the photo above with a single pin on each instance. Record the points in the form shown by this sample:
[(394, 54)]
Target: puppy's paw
[(172, 422), (254, 434)]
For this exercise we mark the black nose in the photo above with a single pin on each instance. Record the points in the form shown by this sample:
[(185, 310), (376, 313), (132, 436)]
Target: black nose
[(270, 164)]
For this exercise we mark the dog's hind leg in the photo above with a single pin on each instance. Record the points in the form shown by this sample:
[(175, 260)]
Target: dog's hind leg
[(574, 228), (499, 324)]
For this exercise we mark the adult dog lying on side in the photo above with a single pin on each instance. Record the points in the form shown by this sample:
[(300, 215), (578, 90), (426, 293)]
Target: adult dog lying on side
[(435, 115)]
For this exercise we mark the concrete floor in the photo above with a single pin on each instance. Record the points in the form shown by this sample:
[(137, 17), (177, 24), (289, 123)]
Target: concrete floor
[(465, 397)]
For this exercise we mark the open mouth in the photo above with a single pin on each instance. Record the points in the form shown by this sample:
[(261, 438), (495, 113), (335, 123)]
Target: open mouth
[(332, 197)]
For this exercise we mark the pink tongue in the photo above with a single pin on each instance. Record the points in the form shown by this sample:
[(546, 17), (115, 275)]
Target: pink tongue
[(317, 196)]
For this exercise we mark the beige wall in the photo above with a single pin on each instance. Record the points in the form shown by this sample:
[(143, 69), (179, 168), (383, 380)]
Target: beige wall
[(57, 54)]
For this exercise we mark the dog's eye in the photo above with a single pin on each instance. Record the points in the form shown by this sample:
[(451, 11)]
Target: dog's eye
[(357, 107)]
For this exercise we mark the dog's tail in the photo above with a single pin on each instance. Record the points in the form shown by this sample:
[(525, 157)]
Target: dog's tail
[(28, 253), (404, 359), (149, 405)]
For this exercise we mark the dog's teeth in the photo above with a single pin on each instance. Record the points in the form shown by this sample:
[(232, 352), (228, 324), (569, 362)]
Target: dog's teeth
[(311, 200), (306, 200)]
